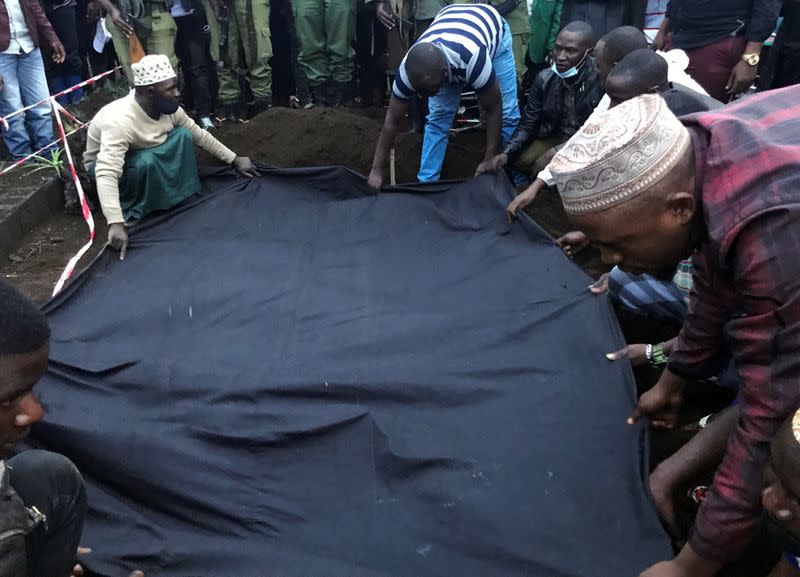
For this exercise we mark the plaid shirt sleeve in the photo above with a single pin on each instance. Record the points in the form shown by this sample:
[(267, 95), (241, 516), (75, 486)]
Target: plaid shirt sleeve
[(747, 287), (765, 336)]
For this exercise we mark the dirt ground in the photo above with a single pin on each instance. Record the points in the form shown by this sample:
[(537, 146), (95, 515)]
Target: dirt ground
[(323, 137), (280, 137)]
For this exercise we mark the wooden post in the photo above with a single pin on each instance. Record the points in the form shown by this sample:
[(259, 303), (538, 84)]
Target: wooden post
[(392, 179)]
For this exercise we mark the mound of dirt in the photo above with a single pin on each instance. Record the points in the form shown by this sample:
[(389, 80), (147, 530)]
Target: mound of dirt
[(327, 137)]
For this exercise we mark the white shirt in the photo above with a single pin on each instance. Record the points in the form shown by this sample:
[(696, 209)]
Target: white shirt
[(20, 36)]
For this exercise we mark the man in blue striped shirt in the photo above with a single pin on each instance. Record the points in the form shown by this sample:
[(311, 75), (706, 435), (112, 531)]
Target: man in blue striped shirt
[(466, 46)]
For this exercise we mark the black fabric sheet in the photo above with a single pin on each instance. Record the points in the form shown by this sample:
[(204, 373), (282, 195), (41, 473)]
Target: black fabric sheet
[(289, 377)]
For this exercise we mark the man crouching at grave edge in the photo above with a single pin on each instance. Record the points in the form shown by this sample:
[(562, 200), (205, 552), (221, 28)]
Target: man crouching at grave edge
[(140, 150)]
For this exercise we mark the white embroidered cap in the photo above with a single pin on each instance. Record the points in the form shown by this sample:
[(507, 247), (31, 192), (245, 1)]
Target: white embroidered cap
[(618, 154), (152, 69)]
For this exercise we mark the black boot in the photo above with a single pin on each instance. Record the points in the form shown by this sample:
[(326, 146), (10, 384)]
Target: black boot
[(229, 112), (336, 94), (317, 96), (259, 105)]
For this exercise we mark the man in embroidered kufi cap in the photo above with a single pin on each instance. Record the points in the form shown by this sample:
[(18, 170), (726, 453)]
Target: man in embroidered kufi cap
[(140, 150), (723, 186)]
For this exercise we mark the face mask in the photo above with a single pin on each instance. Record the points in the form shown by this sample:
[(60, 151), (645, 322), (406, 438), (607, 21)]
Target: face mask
[(165, 105), (572, 71)]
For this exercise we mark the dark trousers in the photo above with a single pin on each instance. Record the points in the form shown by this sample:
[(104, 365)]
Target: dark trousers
[(788, 67), (191, 47), (711, 65), (52, 484), (63, 22)]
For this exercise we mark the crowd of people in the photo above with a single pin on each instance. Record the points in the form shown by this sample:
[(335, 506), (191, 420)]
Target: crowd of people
[(690, 194), (237, 58)]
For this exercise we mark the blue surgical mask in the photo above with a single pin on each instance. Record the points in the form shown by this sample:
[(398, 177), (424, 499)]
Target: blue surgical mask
[(566, 74), (572, 72)]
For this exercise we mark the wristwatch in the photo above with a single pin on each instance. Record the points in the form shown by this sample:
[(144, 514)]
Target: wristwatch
[(752, 59)]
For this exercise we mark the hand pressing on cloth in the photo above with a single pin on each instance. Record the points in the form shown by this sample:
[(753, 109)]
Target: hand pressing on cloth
[(244, 166), (77, 570), (572, 243)]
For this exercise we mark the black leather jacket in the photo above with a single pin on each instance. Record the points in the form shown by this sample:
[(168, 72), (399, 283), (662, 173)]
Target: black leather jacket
[(546, 104)]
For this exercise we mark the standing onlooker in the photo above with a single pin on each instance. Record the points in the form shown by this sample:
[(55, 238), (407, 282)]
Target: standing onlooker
[(722, 39), (247, 30), (325, 31), (787, 47), (604, 15), (154, 19), (22, 25), (653, 17), (61, 14), (545, 24), (191, 45), (516, 14)]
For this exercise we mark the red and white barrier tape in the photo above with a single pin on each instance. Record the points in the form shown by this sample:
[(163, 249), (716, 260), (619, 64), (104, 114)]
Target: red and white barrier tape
[(87, 213), (92, 80)]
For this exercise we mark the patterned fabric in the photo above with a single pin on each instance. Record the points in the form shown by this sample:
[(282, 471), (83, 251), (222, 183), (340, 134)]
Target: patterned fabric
[(648, 296), (152, 69), (619, 154), (746, 294), (468, 36)]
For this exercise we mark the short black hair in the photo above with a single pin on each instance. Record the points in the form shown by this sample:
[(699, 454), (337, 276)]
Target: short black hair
[(621, 41), (424, 60), (23, 327), (641, 69), (583, 29)]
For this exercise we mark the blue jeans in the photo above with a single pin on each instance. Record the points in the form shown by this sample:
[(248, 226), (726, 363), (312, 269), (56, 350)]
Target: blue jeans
[(444, 105), (25, 84)]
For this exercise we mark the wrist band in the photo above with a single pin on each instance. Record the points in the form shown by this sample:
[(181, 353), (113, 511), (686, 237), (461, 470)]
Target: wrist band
[(656, 356)]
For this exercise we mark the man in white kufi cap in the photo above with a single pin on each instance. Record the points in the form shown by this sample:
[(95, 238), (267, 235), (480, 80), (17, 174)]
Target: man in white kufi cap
[(140, 150), (724, 187)]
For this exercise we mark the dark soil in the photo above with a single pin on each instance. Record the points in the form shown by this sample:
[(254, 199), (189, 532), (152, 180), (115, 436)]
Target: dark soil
[(45, 251), (347, 137)]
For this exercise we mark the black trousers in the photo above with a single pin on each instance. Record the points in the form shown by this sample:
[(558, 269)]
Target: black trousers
[(63, 22), (52, 484), (191, 47)]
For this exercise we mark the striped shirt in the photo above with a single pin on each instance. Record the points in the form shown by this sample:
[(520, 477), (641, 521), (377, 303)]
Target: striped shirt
[(468, 36)]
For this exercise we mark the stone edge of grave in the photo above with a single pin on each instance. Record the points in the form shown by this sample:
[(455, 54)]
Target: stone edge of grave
[(25, 202)]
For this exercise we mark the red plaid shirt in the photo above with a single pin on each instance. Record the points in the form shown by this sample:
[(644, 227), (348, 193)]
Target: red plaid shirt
[(746, 293)]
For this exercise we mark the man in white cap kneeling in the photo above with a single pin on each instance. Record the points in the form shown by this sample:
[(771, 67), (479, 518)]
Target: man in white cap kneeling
[(140, 149), (724, 187)]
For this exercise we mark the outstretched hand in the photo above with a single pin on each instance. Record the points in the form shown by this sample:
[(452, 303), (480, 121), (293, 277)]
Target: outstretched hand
[(375, 180), (572, 243), (244, 166), (77, 569), (118, 238), (634, 353), (661, 403), (524, 198)]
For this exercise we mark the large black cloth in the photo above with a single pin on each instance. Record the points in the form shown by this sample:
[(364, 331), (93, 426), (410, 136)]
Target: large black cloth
[(290, 377)]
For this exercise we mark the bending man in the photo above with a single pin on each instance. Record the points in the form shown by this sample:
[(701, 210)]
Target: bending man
[(140, 150), (467, 46), (724, 188)]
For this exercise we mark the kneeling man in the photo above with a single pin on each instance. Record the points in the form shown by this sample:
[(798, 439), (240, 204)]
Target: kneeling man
[(140, 150)]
